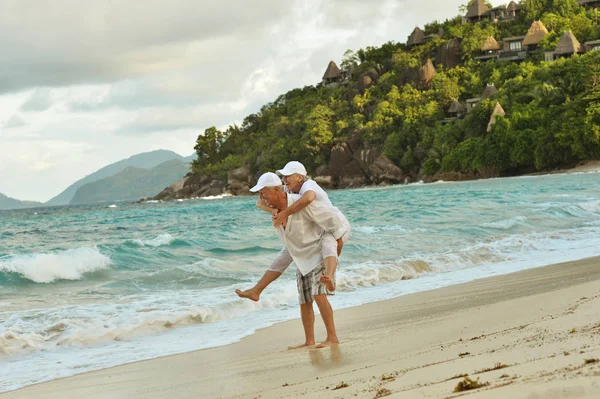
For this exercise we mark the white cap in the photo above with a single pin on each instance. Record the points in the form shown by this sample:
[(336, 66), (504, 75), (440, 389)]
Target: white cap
[(268, 179), (291, 168)]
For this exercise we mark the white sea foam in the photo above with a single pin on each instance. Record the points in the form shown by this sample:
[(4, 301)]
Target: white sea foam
[(163, 239), (70, 264), (112, 206), (593, 206), (376, 229), (505, 224), (135, 316)]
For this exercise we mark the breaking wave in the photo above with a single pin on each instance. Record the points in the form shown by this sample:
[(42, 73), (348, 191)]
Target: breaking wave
[(70, 264)]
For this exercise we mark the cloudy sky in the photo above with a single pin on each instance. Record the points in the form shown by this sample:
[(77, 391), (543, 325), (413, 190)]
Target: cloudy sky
[(86, 83)]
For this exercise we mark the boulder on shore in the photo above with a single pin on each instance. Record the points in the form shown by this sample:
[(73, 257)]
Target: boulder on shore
[(239, 181), (384, 171)]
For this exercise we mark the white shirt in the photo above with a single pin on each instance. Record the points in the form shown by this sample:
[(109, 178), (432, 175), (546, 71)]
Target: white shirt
[(320, 195), (302, 236)]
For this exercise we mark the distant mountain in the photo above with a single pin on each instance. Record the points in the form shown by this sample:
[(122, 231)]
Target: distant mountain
[(132, 183), (190, 158), (11, 203), (144, 160)]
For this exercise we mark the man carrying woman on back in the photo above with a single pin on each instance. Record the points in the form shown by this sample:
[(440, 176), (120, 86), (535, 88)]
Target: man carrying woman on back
[(296, 181)]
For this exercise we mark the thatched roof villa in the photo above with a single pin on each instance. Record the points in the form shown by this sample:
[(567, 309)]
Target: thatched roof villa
[(489, 49), (536, 33), (332, 74), (477, 11), (566, 47), (489, 91), (417, 37), (456, 110)]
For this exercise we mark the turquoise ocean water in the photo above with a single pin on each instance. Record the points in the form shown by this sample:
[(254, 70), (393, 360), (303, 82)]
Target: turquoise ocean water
[(88, 287)]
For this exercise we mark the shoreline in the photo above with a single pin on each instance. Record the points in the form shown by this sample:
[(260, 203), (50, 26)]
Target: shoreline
[(408, 339), (585, 166), (582, 167)]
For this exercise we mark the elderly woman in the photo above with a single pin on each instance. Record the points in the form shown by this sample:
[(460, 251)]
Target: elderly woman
[(296, 181)]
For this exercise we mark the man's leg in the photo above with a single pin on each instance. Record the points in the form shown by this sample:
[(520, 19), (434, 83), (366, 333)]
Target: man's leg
[(329, 278), (327, 315), (308, 322), (254, 293)]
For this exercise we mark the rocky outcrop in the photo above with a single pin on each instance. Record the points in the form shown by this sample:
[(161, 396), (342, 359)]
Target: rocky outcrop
[(171, 191), (449, 54), (450, 176), (240, 180), (384, 171), (325, 181), (367, 79), (192, 186), (351, 165)]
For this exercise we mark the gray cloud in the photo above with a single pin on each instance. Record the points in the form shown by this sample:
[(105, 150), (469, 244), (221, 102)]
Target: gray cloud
[(14, 122), (40, 100), (111, 40)]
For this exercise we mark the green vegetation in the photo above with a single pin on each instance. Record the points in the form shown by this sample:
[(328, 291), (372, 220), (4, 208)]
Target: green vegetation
[(552, 109)]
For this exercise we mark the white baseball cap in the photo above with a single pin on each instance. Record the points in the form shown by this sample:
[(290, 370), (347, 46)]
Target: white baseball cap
[(268, 179), (291, 168)]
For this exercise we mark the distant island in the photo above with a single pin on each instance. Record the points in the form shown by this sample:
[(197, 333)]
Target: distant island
[(11, 203), (141, 175), (497, 91), (146, 160)]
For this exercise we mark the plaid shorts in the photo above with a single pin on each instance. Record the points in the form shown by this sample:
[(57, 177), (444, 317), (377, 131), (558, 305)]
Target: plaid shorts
[(311, 285)]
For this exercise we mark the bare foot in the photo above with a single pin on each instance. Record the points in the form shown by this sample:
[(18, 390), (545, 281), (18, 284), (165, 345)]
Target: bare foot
[(328, 282), (304, 345), (251, 294), (328, 343)]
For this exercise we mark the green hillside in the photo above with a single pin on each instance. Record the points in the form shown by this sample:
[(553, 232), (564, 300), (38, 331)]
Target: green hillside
[(131, 183), (409, 100)]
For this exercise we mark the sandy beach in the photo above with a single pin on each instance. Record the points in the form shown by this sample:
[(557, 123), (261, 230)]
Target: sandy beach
[(531, 334)]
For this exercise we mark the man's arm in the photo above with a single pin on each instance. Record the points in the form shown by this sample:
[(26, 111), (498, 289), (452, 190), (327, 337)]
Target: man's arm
[(303, 202)]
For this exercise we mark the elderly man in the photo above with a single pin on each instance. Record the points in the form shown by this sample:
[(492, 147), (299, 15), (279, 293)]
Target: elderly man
[(302, 238)]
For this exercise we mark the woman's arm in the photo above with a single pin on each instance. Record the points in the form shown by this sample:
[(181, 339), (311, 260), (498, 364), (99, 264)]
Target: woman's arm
[(303, 202)]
